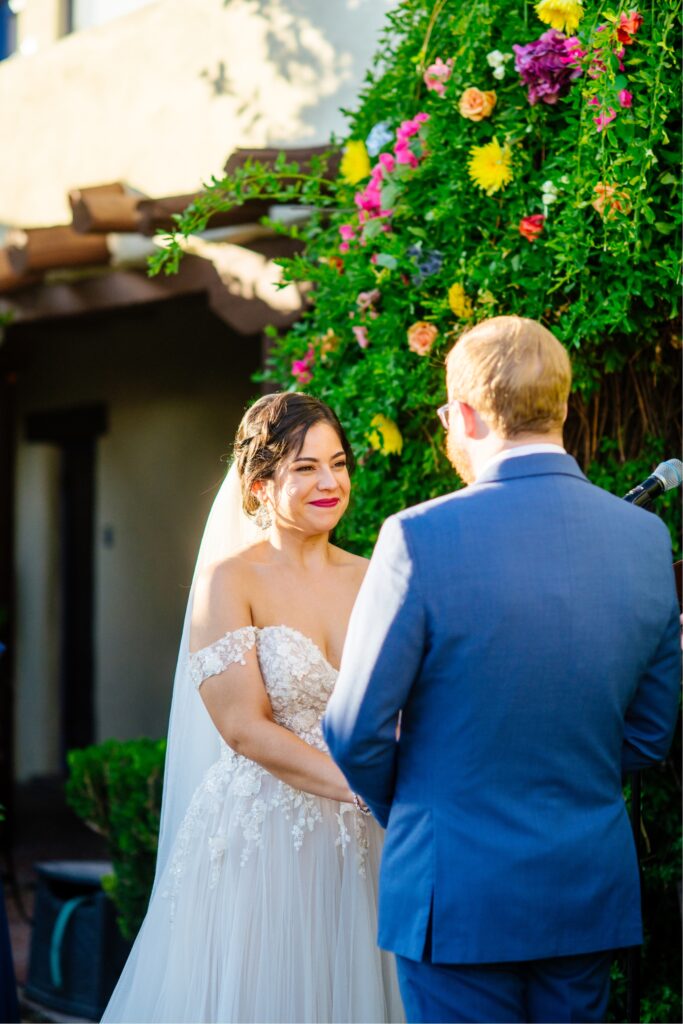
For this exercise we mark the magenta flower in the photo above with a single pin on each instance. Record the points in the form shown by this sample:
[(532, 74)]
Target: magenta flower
[(573, 52), (625, 99), (604, 119), (543, 68), (387, 161), (301, 368)]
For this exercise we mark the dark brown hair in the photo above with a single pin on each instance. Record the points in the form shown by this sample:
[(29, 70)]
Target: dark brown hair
[(274, 428)]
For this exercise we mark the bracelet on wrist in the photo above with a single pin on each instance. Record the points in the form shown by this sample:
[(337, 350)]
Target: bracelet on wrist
[(360, 805)]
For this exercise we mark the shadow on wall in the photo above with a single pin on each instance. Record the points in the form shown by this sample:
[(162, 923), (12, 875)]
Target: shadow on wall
[(302, 52)]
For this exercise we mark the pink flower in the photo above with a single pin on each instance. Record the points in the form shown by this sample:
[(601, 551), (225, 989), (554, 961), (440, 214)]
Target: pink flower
[(604, 119), (437, 74), (361, 334), (620, 54), (348, 232), (366, 300), (625, 99), (531, 227), (301, 368), (594, 101)]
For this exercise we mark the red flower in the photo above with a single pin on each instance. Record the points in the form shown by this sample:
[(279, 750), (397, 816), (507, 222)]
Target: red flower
[(628, 26), (531, 227)]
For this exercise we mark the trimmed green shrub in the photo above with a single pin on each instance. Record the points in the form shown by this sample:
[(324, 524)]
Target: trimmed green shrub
[(115, 787)]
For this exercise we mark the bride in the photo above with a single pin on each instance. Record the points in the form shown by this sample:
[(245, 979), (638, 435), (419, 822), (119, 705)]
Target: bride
[(264, 901)]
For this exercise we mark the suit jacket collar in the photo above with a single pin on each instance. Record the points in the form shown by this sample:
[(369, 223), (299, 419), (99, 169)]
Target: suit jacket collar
[(546, 464)]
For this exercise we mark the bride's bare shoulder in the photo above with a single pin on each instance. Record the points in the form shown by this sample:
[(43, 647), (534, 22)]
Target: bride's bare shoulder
[(222, 599), (355, 564), (236, 567)]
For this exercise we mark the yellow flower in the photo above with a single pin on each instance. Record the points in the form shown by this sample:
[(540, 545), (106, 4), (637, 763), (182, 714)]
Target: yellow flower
[(386, 437), (355, 163), (489, 166), (564, 15), (459, 301)]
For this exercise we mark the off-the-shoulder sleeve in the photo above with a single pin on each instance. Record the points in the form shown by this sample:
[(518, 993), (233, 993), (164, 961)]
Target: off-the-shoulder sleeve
[(228, 650)]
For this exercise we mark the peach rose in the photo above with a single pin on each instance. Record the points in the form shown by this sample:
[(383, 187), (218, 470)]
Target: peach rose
[(421, 337), (475, 105), (609, 200)]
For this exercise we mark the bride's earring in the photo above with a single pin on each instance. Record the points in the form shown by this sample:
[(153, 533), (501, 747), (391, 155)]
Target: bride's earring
[(264, 519)]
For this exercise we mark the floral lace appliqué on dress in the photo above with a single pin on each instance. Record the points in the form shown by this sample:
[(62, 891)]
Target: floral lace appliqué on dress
[(237, 794)]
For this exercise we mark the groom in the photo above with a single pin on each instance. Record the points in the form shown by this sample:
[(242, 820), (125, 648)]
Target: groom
[(524, 631)]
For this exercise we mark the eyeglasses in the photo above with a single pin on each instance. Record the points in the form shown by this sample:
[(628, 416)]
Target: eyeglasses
[(444, 412)]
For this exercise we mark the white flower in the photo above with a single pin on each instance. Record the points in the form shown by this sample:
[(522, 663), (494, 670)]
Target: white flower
[(548, 193), (499, 72), (494, 58)]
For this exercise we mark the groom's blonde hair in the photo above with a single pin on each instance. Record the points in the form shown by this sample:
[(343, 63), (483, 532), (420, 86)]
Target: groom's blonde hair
[(514, 372)]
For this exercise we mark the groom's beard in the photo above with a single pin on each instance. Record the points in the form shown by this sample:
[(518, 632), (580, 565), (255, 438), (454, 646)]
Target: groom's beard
[(460, 460)]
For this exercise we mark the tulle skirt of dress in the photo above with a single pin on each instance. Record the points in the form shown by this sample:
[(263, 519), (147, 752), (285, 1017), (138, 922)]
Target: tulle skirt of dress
[(266, 912)]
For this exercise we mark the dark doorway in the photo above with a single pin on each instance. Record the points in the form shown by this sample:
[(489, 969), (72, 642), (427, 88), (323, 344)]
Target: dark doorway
[(75, 433)]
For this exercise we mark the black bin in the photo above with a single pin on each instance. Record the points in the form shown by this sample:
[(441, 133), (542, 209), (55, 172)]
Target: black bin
[(77, 951)]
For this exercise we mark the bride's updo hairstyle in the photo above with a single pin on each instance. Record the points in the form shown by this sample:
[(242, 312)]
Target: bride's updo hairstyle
[(273, 429)]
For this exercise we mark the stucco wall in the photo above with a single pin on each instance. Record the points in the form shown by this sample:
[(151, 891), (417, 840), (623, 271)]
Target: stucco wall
[(173, 409), (160, 97)]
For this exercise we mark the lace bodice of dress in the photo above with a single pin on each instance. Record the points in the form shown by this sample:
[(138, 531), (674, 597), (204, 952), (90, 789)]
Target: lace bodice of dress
[(299, 681), (297, 676)]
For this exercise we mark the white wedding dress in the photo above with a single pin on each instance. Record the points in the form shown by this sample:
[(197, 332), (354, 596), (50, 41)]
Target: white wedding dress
[(266, 906)]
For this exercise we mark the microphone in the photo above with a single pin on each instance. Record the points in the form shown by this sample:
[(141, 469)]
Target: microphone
[(666, 476)]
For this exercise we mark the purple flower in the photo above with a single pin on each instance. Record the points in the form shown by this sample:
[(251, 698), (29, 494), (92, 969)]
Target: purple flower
[(543, 67)]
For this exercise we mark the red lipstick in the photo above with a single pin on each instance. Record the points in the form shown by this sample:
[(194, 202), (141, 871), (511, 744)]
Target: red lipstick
[(325, 502)]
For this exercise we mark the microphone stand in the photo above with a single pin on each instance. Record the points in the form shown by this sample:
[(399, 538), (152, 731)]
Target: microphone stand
[(633, 953)]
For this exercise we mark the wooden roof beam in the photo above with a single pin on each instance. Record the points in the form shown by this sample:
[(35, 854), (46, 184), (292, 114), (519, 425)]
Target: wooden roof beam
[(157, 214), (103, 209), (38, 249), (10, 281), (302, 156)]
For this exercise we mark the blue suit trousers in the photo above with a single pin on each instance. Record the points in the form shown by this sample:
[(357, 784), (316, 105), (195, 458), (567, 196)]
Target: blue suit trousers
[(552, 991)]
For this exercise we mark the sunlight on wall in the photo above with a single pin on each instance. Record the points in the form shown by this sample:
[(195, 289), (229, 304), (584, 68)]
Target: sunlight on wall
[(161, 97)]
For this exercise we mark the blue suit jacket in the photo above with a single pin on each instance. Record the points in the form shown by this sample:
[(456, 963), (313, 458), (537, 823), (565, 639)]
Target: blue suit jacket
[(527, 627)]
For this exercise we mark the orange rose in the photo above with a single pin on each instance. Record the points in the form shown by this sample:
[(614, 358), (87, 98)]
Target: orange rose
[(609, 200), (475, 105), (421, 337), (328, 343)]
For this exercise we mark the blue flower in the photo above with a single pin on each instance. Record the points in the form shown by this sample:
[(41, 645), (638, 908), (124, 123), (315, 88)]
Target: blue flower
[(431, 262), (380, 135)]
